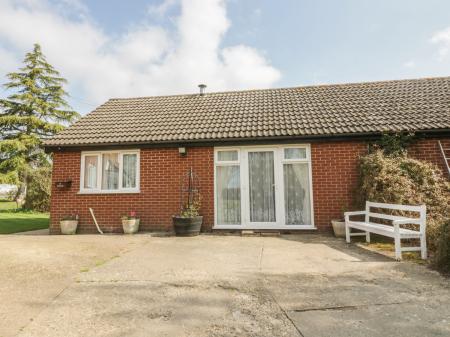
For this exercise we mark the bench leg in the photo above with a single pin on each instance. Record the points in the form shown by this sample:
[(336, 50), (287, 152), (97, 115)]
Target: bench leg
[(423, 247), (368, 237), (347, 233), (398, 248)]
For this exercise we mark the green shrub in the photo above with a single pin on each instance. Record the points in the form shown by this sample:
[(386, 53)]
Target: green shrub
[(442, 254), (395, 143), (398, 179), (38, 189)]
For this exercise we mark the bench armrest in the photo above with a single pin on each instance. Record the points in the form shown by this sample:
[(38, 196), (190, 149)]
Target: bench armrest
[(347, 215), (419, 222)]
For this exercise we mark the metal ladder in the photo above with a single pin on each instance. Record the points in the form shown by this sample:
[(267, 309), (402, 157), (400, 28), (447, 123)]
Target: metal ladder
[(446, 155)]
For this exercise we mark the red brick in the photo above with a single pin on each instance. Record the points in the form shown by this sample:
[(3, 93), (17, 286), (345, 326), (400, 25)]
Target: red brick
[(334, 179)]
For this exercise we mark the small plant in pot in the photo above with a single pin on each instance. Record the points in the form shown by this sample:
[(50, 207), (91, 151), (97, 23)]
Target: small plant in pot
[(130, 223), (339, 225), (189, 221), (69, 224)]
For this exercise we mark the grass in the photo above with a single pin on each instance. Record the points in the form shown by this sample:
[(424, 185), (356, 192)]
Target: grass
[(7, 205), (390, 247), (14, 220)]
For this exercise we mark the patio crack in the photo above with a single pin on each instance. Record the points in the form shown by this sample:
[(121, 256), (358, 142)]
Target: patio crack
[(285, 313), (47, 305), (261, 257), (348, 307)]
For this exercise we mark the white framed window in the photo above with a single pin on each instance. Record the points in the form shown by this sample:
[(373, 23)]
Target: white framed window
[(263, 187), (110, 171), (295, 153), (228, 186), (297, 186), (227, 156)]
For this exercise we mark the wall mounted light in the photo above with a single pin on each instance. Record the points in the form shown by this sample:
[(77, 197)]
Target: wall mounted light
[(182, 151)]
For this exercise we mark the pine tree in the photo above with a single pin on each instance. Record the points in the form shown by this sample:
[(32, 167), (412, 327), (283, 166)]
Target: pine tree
[(35, 111)]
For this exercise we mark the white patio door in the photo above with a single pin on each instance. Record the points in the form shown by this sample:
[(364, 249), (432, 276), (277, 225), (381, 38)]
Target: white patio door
[(263, 187), (260, 186)]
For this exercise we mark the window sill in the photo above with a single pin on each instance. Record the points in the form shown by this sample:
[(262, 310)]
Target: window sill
[(109, 192), (257, 227)]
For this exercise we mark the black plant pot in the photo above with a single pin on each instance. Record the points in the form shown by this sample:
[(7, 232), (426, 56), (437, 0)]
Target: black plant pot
[(187, 226)]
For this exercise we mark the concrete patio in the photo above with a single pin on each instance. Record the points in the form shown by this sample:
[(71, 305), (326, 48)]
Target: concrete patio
[(303, 285)]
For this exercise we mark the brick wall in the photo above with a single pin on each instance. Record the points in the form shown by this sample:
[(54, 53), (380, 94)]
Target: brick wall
[(335, 174), (428, 149), (334, 178), (159, 199)]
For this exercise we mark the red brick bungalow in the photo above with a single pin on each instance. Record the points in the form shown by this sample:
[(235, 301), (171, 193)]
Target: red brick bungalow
[(265, 159)]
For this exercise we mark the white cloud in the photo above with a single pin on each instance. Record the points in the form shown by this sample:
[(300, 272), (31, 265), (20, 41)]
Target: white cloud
[(145, 60), (257, 12), (162, 8), (442, 39), (409, 64), (8, 61)]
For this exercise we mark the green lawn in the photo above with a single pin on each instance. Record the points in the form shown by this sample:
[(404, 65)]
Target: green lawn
[(13, 221), (7, 204)]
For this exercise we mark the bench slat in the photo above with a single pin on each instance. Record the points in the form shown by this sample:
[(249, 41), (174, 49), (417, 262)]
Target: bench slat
[(410, 249), (382, 229), (397, 207), (390, 217)]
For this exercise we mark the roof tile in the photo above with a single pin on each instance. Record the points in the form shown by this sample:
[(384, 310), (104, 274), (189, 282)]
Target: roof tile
[(373, 107)]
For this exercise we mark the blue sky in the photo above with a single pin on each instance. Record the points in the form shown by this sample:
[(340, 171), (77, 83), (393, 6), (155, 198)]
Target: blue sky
[(112, 48)]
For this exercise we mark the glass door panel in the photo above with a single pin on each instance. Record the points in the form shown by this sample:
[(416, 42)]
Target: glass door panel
[(228, 195), (296, 194), (261, 186)]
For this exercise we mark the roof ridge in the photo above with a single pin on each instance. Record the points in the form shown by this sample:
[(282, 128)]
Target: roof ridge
[(285, 88)]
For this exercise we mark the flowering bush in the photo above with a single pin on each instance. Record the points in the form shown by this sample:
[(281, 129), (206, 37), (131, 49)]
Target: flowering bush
[(398, 179), (130, 216)]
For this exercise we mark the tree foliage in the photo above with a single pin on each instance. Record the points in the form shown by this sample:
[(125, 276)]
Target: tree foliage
[(38, 189), (35, 110)]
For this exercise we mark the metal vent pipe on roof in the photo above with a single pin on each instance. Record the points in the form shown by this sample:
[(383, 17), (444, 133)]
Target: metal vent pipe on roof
[(202, 88)]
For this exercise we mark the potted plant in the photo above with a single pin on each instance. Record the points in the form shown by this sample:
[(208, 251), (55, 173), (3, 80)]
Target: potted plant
[(130, 223), (189, 221), (339, 225), (69, 224)]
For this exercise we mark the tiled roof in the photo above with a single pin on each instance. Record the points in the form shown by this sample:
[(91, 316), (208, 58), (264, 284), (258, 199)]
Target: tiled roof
[(324, 110)]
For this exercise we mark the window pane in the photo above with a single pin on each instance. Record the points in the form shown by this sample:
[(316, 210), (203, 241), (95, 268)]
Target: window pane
[(227, 155), (129, 170), (228, 195), (262, 186), (296, 194), (295, 153), (90, 171), (110, 179)]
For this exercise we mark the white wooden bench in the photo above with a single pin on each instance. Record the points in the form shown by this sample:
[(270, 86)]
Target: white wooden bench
[(395, 231)]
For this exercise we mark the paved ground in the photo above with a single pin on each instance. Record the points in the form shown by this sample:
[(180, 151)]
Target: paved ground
[(213, 286)]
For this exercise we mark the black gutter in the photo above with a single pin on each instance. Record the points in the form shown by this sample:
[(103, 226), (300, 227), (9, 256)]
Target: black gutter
[(365, 136)]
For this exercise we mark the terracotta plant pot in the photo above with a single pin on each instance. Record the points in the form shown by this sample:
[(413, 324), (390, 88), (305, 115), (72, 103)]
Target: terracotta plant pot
[(68, 226), (187, 226), (130, 226), (338, 228)]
